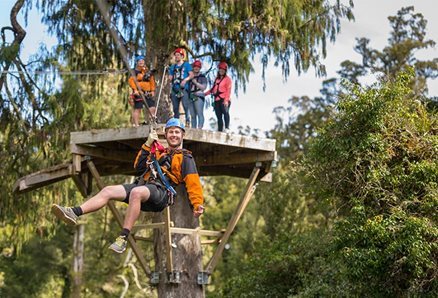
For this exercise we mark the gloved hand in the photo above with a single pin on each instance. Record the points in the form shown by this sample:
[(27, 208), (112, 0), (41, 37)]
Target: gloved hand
[(198, 211), (153, 136)]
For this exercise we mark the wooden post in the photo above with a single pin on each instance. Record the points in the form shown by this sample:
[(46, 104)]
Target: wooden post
[(168, 236), (119, 219), (244, 200), (77, 159)]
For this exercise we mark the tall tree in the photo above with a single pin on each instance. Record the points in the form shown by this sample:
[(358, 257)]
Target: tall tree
[(290, 32), (287, 31), (408, 36), (384, 189), (292, 225)]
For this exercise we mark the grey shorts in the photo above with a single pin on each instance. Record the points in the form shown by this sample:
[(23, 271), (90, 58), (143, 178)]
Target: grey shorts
[(156, 202)]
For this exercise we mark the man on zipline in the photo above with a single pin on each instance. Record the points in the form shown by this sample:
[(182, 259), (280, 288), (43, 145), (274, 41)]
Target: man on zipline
[(159, 170)]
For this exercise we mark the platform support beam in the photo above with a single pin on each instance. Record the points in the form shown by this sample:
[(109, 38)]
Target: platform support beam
[(244, 200), (138, 253)]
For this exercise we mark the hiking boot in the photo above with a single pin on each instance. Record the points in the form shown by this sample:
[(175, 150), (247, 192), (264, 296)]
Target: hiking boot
[(65, 214), (119, 245)]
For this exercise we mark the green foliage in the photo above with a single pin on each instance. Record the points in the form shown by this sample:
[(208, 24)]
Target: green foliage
[(388, 254), (291, 32), (354, 214), (387, 142), (384, 190), (351, 213), (41, 269)]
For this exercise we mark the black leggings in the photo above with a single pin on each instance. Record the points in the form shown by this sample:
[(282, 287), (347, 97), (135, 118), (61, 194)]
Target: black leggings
[(222, 111)]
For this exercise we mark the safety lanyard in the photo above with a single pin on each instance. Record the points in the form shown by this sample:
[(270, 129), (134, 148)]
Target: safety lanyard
[(158, 147)]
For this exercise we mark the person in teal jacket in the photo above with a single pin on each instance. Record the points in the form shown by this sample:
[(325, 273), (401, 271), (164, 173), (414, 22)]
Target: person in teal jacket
[(180, 74)]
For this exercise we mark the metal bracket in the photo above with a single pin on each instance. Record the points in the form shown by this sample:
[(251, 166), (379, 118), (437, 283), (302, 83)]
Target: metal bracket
[(203, 277), (155, 278), (174, 277)]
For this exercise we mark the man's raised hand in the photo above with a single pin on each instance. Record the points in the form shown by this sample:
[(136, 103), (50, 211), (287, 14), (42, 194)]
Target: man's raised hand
[(153, 136)]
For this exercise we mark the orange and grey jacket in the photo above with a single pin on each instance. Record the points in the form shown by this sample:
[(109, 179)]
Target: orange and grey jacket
[(178, 165), (145, 85)]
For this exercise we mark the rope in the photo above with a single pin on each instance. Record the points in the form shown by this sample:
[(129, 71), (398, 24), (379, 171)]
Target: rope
[(103, 7)]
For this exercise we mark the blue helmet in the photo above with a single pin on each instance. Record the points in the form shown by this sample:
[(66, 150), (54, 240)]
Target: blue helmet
[(139, 57), (175, 122)]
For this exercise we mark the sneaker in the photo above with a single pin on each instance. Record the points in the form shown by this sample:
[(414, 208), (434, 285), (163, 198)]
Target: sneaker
[(227, 130), (65, 214), (119, 245)]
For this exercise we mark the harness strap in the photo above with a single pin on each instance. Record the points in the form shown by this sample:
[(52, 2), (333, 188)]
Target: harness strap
[(160, 175), (178, 78), (217, 93)]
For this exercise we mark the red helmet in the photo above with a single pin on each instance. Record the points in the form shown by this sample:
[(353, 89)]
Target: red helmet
[(179, 51), (223, 65), (197, 63)]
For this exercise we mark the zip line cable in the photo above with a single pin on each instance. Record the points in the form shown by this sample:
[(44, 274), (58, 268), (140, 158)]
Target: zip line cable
[(67, 72)]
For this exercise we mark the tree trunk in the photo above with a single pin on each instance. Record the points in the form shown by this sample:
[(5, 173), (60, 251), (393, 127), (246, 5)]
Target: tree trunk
[(78, 260), (187, 255), (19, 35), (165, 30)]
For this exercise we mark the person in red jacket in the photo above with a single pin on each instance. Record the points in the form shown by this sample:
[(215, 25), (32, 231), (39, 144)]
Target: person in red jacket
[(221, 91), (149, 192)]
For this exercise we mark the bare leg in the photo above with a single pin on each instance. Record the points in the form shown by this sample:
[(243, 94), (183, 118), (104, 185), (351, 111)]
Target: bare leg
[(137, 196), (116, 192), (136, 116)]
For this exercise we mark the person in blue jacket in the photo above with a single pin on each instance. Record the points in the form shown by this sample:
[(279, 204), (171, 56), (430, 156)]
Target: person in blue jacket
[(180, 74)]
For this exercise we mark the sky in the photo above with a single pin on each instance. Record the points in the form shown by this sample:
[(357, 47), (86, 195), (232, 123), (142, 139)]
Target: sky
[(254, 108)]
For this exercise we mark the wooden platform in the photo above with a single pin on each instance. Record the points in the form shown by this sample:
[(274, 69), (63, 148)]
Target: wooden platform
[(113, 152)]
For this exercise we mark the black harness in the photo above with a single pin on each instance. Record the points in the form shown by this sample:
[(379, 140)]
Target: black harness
[(178, 72), (157, 176), (216, 84), (194, 88)]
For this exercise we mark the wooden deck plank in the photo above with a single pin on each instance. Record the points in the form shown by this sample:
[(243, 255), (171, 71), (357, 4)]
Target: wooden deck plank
[(196, 135), (114, 150), (43, 178)]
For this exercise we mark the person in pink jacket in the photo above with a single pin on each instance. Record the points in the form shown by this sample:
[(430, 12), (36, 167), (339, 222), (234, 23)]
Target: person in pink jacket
[(221, 91)]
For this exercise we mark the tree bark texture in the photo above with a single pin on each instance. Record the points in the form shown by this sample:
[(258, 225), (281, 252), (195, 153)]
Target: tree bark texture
[(187, 255), (165, 31)]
